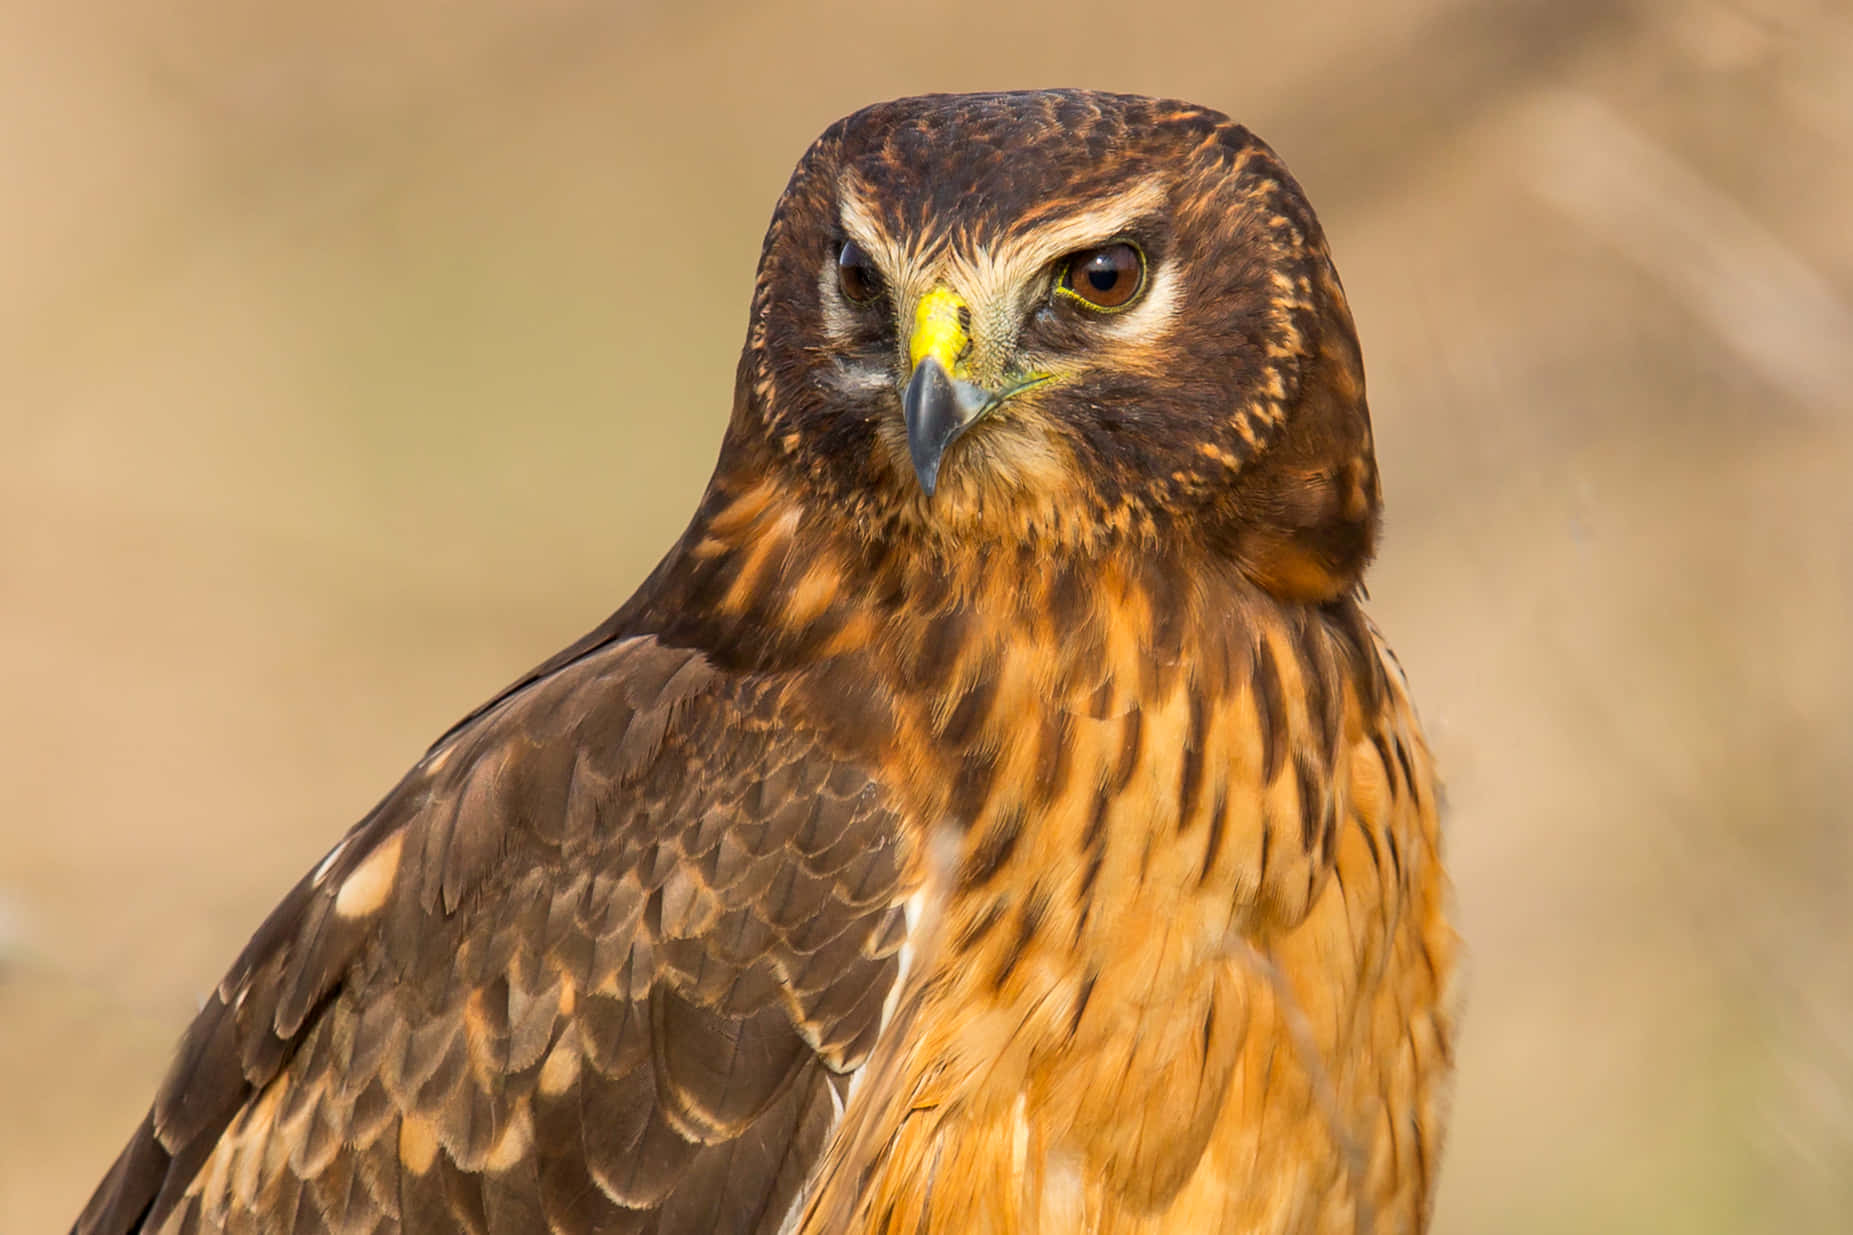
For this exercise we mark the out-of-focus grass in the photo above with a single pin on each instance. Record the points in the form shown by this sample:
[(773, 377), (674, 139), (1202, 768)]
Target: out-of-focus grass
[(352, 360)]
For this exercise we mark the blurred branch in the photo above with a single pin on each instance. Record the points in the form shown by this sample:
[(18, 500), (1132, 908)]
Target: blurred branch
[(1761, 300)]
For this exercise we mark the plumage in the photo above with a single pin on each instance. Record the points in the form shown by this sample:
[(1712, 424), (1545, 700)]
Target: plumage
[(996, 812)]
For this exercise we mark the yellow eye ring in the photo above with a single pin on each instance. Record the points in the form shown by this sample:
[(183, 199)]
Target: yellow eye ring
[(1106, 279)]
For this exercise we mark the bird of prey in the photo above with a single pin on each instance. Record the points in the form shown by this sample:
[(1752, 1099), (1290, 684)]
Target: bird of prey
[(996, 813)]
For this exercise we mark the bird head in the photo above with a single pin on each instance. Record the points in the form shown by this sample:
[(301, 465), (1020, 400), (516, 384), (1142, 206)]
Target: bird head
[(1067, 319)]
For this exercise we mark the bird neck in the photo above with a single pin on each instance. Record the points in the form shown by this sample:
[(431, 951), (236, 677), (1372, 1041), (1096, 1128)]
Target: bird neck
[(768, 578), (961, 667)]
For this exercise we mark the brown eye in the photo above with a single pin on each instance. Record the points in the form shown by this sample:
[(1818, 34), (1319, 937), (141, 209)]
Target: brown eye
[(1109, 277), (856, 274)]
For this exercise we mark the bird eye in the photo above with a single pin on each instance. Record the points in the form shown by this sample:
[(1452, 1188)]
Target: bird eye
[(1108, 278), (856, 274)]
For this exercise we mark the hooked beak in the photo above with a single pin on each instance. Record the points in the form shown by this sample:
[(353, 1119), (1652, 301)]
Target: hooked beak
[(937, 410), (937, 406)]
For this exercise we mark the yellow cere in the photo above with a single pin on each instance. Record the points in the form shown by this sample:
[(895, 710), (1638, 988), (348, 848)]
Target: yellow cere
[(939, 328)]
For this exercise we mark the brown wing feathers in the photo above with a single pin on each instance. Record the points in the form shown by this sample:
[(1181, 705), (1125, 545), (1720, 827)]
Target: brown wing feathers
[(597, 964)]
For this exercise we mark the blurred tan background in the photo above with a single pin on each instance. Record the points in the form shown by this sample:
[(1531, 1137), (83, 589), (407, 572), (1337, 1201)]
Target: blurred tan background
[(355, 357)]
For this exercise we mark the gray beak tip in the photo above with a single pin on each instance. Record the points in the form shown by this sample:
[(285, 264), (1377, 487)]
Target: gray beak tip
[(937, 410), (927, 407)]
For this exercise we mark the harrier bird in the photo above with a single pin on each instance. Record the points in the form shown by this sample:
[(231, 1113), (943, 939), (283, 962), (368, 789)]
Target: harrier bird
[(995, 814)]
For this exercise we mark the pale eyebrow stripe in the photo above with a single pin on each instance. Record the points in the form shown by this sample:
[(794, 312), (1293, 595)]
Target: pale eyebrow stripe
[(1032, 244), (858, 220), (904, 266), (1013, 262)]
